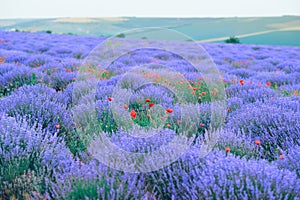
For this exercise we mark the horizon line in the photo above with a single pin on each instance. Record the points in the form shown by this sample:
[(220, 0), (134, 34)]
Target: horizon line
[(173, 17)]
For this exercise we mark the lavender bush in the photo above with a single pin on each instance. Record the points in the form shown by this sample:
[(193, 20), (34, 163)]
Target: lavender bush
[(28, 158)]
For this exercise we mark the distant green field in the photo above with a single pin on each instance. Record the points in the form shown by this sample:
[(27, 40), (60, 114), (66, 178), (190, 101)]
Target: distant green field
[(290, 38), (215, 29)]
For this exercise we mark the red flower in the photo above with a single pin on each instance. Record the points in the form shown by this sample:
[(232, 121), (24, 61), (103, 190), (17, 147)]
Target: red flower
[(168, 125), (151, 104), (109, 99), (242, 82), (133, 114), (257, 142), (148, 100), (169, 110), (228, 110), (125, 106), (268, 83), (281, 156), (57, 126), (202, 125), (227, 149)]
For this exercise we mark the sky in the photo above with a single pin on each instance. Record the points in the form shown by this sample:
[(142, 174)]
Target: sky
[(151, 8)]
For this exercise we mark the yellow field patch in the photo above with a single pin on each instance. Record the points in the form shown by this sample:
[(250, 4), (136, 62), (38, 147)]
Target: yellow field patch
[(87, 20)]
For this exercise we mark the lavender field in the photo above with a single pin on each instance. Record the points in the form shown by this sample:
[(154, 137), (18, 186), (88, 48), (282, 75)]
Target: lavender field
[(218, 121)]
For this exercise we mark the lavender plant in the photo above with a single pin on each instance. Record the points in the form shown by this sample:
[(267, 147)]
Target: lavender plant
[(28, 157)]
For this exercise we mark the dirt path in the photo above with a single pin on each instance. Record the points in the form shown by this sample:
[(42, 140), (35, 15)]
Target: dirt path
[(296, 28)]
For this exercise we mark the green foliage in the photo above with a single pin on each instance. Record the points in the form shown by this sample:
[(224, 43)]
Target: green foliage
[(233, 40), (121, 35), (78, 55), (142, 118), (21, 185), (107, 124), (49, 31), (82, 189), (33, 79), (240, 151), (17, 82), (75, 144)]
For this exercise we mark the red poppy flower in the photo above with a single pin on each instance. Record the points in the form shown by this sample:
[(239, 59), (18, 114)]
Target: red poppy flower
[(133, 114), (257, 142), (148, 100), (281, 156), (227, 149), (125, 107), (109, 99), (242, 82), (151, 104), (57, 126), (268, 83), (202, 125), (228, 110), (169, 110)]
